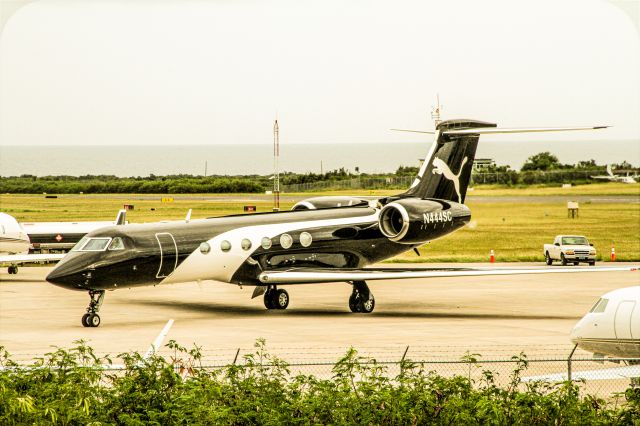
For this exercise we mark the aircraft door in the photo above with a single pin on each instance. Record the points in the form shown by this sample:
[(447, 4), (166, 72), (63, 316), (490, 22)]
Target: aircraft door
[(168, 254), (622, 321)]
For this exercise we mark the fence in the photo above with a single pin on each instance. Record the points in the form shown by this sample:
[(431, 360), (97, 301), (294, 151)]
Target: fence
[(400, 182), (553, 364)]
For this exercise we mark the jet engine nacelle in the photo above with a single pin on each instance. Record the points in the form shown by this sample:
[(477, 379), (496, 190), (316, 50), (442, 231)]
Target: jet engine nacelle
[(416, 221), (332, 202)]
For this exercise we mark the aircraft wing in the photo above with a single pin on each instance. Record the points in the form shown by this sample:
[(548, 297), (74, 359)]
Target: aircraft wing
[(26, 258), (324, 275), (626, 372)]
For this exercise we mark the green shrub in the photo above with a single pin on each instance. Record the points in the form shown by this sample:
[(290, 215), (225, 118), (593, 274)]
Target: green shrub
[(74, 387)]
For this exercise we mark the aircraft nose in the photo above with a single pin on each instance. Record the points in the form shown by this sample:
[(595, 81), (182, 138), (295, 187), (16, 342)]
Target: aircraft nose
[(63, 278), (70, 273)]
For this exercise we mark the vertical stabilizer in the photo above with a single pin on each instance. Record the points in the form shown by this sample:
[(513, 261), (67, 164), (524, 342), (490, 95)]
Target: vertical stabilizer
[(446, 170)]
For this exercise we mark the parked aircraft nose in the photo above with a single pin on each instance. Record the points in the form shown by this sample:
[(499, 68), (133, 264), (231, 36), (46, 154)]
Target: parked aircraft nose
[(71, 273)]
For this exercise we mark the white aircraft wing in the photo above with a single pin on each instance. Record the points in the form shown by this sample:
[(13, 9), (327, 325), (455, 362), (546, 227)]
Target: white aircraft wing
[(324, 275), (26, 258), (626, 372)]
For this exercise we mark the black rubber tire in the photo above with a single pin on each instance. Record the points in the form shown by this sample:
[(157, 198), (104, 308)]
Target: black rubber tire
[(93, 320), (354, 303), (548, 259), (367, 306), (281, 299), (592, 263), (268, 299), (576, 263), (563, 260), (84, 320)]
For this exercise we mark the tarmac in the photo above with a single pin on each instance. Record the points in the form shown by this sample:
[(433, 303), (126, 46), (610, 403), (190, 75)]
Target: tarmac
[(511, 312)]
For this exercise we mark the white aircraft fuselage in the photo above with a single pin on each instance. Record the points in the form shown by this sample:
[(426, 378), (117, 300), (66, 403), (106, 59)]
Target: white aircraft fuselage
[(612, 326)]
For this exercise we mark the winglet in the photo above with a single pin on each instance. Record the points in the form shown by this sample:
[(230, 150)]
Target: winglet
[(121, 218), (158, 342), (188, 218)]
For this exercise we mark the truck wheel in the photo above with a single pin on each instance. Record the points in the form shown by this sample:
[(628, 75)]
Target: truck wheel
[(592, 263), (548, 259), (563, 259)]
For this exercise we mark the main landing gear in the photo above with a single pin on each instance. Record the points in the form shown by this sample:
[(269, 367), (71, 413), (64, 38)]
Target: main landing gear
[(275, 298), (361, 299), (91, 318), (13, 269)]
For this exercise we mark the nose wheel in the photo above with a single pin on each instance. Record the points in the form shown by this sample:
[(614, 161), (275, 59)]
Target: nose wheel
[(361, 299), (91, 318), (276, 298)]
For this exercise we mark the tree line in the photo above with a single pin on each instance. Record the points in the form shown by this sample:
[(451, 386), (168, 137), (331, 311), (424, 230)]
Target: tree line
[(542, 168)]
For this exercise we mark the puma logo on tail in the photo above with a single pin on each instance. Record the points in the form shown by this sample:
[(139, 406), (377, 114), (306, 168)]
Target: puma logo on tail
[(440, 167)]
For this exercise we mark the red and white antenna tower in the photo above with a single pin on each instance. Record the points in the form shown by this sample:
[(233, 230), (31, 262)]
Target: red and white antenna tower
[(276, 171)]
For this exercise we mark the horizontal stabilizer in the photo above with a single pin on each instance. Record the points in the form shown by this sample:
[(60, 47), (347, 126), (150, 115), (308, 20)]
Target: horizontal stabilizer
[(319, 275), (495, 130), (430, 132)]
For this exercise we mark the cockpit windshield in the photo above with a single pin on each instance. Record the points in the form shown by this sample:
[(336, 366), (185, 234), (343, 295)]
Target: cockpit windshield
[(92, 244), (600, 306)]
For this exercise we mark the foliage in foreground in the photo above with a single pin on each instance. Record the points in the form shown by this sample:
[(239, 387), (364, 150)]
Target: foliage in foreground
[(70, 387)]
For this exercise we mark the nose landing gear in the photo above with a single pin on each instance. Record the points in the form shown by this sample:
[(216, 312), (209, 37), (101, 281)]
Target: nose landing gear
[(361, 299), (91, 318), (13, 269)]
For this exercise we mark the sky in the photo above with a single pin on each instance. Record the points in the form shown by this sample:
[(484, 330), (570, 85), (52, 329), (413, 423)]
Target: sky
[(219, 72)]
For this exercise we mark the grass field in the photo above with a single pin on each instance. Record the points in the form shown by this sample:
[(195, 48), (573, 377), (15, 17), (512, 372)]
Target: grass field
[(515, 231)]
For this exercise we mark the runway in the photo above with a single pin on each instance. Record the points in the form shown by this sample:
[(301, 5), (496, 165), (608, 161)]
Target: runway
[(511, 312)]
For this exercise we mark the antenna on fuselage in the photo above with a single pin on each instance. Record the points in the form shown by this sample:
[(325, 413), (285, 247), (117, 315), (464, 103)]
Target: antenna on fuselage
[(435, 112)]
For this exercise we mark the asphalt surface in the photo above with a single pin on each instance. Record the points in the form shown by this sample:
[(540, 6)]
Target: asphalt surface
[(511, 312)]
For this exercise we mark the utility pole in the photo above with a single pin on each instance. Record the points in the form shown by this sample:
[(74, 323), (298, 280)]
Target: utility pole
[(205, 168), (276, 171)]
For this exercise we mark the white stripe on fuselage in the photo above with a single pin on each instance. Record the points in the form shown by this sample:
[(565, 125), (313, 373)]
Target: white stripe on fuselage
[(221, 266), (427, 160)]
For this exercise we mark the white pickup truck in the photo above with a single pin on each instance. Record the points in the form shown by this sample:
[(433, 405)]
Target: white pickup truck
[(570, 249)]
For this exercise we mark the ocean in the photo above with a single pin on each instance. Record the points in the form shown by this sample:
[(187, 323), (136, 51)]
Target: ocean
[(258, 159)]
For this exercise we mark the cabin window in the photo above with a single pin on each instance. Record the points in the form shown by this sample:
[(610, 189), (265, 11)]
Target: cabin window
[(266, 243), (305, 239), (600, 306), (286, 241), (116, 244), (579, 241), (245, 244), (205, 247), (225, 246)]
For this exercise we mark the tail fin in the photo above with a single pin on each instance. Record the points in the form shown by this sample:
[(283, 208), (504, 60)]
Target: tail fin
[(446, 170)]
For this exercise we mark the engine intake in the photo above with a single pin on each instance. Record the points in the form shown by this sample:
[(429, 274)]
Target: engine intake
[(416, 221)]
